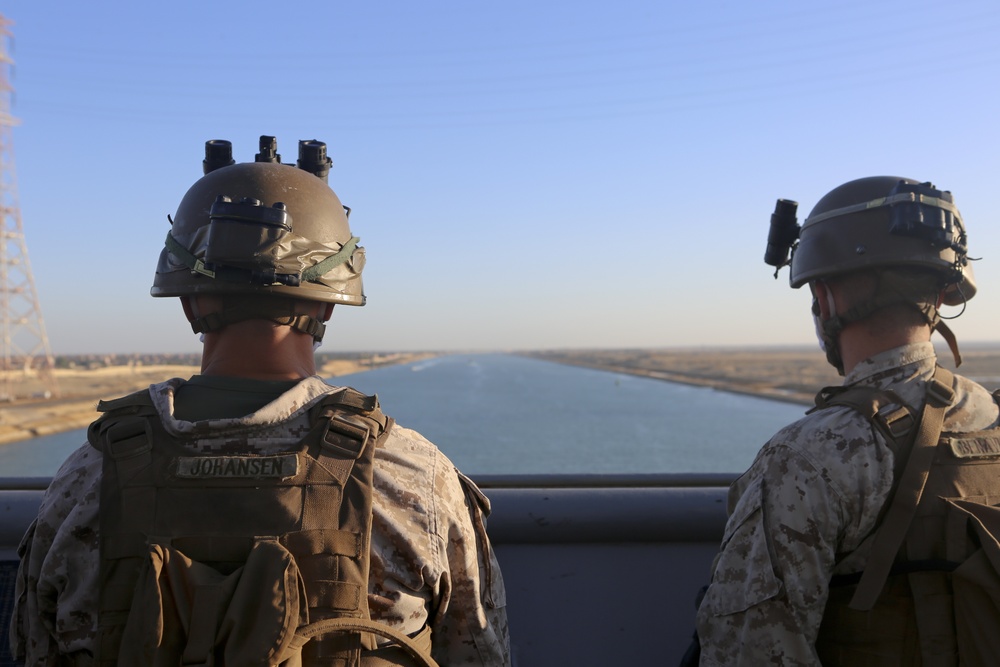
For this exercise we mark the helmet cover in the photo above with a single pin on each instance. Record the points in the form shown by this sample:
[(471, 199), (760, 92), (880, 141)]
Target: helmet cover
[(261, 228)]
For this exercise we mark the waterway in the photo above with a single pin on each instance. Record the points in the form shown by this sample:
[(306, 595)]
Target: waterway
[(498, 413)]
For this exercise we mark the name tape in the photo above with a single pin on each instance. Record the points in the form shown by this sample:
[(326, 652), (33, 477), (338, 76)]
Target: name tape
[(975, 447), (281, 466)]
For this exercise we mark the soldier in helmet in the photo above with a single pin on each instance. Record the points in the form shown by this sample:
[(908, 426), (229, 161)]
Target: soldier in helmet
[(849, 537), (254, 514)]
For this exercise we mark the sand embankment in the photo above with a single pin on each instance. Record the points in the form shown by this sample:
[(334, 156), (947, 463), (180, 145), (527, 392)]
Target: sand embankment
[(80, 389), (793, 375)]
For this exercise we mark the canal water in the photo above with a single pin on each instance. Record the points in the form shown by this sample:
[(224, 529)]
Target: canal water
[(499, 414)]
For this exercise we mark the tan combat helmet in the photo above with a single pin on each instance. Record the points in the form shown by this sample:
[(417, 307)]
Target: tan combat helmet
[(880, 222), (885, 221), (262, 229)]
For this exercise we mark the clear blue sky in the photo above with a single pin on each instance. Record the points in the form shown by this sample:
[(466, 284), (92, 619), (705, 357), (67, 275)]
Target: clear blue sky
[(523, 174)]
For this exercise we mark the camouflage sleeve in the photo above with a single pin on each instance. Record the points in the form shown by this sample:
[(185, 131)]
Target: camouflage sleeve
[(19, 626), (814, 491), (470, 625), (432, 563), (770, 581), (55, 613)]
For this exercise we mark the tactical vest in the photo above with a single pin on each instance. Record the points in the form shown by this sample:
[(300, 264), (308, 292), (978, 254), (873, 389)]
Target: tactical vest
[(240, 558), (930, 591)]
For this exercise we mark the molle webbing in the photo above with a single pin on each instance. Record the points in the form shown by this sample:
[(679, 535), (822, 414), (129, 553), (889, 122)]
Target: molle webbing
[(215, 507), (921, 599)]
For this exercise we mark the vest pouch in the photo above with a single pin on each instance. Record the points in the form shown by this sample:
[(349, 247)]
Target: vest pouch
[(187, 613), (976, 586), (883, 636)]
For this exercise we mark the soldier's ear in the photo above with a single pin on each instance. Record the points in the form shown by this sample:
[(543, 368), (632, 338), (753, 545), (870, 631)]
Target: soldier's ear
[(824, 299), (188, 310)]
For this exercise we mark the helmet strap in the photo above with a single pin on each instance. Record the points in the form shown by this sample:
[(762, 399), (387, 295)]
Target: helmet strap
[(281, 313), (830, 331), (833, 326), (949, 338)]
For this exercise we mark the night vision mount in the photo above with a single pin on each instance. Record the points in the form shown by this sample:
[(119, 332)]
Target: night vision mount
[(783, 235), (312, 155), (248, 239)]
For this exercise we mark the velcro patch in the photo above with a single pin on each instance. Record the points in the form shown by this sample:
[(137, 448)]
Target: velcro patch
[(975, 447), (282, 466)]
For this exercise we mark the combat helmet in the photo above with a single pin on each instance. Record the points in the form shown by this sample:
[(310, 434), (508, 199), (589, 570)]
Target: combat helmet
[(880, 222), (263, 230), (885, 221)]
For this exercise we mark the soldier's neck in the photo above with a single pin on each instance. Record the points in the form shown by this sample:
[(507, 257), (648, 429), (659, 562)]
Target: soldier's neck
[(858, 343), (277, 353)]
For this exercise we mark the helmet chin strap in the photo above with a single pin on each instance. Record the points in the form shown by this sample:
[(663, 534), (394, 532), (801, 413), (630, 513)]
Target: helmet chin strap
[(828, 332), (832, 327), (257, 309), (949, 338)]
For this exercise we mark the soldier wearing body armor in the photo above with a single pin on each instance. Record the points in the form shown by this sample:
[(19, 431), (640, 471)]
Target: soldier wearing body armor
[(254, 514), (863, 533)]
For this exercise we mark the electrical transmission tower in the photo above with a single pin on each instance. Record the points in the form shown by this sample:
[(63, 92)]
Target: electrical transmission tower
[(26, 365)]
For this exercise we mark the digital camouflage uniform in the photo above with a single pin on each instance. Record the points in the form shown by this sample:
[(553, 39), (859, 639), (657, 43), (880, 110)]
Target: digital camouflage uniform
[(430, 559), (814, 492)]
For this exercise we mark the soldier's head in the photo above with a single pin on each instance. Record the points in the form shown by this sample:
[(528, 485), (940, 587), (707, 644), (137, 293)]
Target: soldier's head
[(894, 248), (264, 240)]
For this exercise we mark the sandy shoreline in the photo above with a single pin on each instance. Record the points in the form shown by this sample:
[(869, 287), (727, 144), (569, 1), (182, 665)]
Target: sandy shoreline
[(792, 375), (80, 389)]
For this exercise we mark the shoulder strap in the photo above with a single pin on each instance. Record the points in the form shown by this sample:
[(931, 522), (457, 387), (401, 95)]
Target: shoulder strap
[(123, 426), (139, 399), (903, 506), (887, 413), (351, 400), (344, 422), (896, 423)]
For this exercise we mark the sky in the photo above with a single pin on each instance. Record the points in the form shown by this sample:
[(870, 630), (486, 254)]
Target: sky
[(523, 175)]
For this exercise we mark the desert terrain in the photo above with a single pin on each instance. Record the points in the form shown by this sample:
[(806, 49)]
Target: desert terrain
[(793, 375)]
